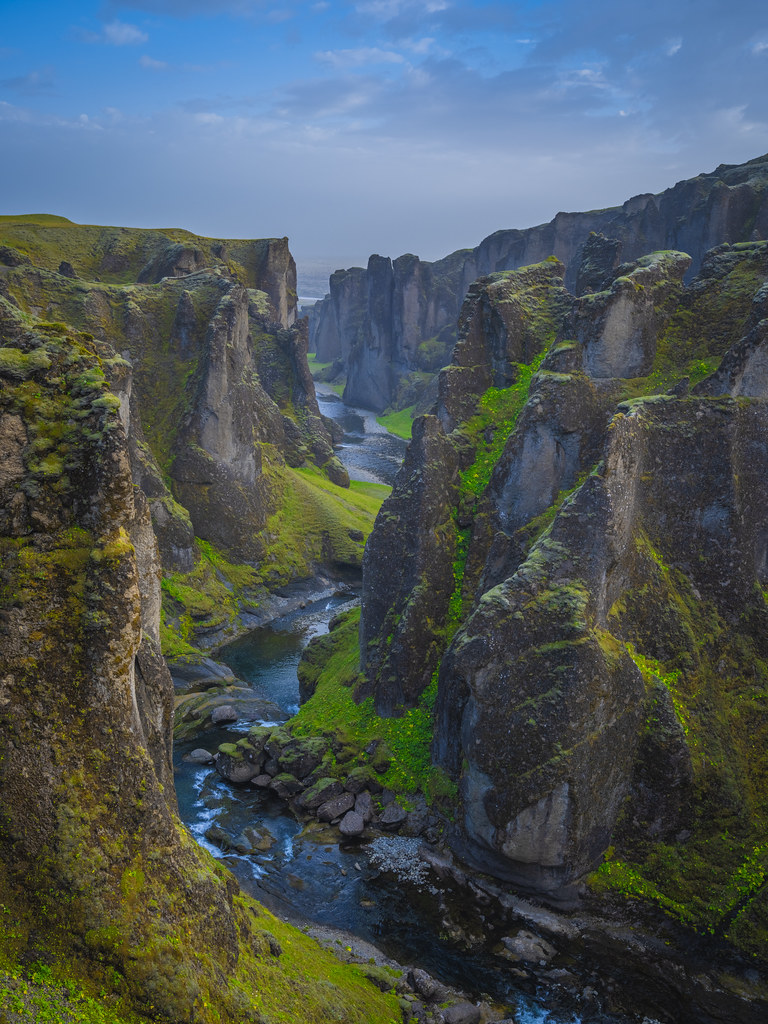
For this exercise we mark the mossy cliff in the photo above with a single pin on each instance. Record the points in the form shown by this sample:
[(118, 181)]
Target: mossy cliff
[(392, 324), (102, 890), (586, 528), (225, 434)]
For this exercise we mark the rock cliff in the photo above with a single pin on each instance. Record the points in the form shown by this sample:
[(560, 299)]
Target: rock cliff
[(225, 434), (585, 514), (104, 893), (395, 320)]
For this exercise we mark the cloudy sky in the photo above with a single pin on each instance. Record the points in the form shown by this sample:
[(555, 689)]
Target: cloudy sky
[(359, 126)]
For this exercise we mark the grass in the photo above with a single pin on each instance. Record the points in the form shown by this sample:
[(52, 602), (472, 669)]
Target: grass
[(499, 409), (398, 423), (333, 711), (315, 366), (316, 521)]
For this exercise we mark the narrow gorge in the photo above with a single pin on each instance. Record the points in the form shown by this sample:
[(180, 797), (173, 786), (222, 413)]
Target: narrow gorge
[(541, 671)]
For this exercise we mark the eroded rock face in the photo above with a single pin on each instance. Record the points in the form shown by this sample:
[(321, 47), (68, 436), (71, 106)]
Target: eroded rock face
[(617, 329), (408, 571), (614, 550), (414, 304), (86, 697), (210, 373)]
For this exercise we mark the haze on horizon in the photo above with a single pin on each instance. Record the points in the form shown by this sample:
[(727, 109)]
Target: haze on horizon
[(360, 126)]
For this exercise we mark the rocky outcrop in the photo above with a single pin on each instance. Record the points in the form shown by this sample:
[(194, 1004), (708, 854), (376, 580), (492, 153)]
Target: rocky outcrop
[(217, 401), (117, 255), (98, 878), (396, 318), (606, 623)]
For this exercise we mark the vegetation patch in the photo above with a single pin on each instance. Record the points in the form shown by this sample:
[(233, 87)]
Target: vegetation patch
[(332, 711), (398, 423)]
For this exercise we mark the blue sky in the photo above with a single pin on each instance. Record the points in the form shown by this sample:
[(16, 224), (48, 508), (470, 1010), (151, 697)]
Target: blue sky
[(359, 126)]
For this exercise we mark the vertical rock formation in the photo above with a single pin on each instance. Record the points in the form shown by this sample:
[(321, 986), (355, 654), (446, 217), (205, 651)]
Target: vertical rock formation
[(215, 390), (98, 875), (599, 653), (726, 206)]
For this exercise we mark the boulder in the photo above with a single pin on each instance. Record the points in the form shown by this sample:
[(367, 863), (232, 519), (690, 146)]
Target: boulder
[(319, 793), (529, 947), (364, 806), (335, 807), (222, 715), (199, 756), (285, 785), (351, 824), (393, 816)]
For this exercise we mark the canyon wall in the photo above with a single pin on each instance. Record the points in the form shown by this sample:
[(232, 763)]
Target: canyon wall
[(584, 517), (390, 324)]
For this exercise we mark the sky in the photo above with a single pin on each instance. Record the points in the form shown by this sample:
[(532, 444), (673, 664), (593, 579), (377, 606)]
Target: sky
[(361, 126)]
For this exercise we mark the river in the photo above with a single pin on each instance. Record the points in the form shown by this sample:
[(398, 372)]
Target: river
[(303, 872)]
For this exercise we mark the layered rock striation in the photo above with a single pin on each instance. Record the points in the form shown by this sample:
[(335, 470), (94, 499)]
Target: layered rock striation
[(394, 321)]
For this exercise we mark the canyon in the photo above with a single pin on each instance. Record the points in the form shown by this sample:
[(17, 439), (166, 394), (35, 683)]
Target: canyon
[(556, 676)]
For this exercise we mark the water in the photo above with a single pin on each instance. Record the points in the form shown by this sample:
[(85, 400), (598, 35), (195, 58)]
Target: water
[(267, 657), (368, 451), (303, 872)]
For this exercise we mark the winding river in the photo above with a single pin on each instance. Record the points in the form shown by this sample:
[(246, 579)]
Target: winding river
[(303, 872)]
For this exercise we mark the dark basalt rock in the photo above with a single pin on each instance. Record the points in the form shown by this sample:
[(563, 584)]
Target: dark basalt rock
[(402, 613), (562, 740), (397, 317)]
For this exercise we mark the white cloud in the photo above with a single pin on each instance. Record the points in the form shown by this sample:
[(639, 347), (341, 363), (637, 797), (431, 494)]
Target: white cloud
[(760, 47), (152, 64), (360, 57), (386, 10), (120, 33), (673, 46)]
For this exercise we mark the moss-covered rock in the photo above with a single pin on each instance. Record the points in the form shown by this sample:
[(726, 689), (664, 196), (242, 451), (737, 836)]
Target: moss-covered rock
[(98, 879), (599, 694)]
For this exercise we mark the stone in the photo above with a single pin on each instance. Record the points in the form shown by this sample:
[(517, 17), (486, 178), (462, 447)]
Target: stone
[(351, 824), (234, 767), (528, 947), (285, 785), (335, 807), (423, 983), (393, 816), (319, 793), (461, 1013), (359, 779), (364, 806), (224, 714), (199, 756)]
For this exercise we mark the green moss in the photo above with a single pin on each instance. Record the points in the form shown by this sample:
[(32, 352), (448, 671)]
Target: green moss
[(334, 712), (707, 322), (497, 416), (20, 365), (711, 877), (315, 522), (398, 423)]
